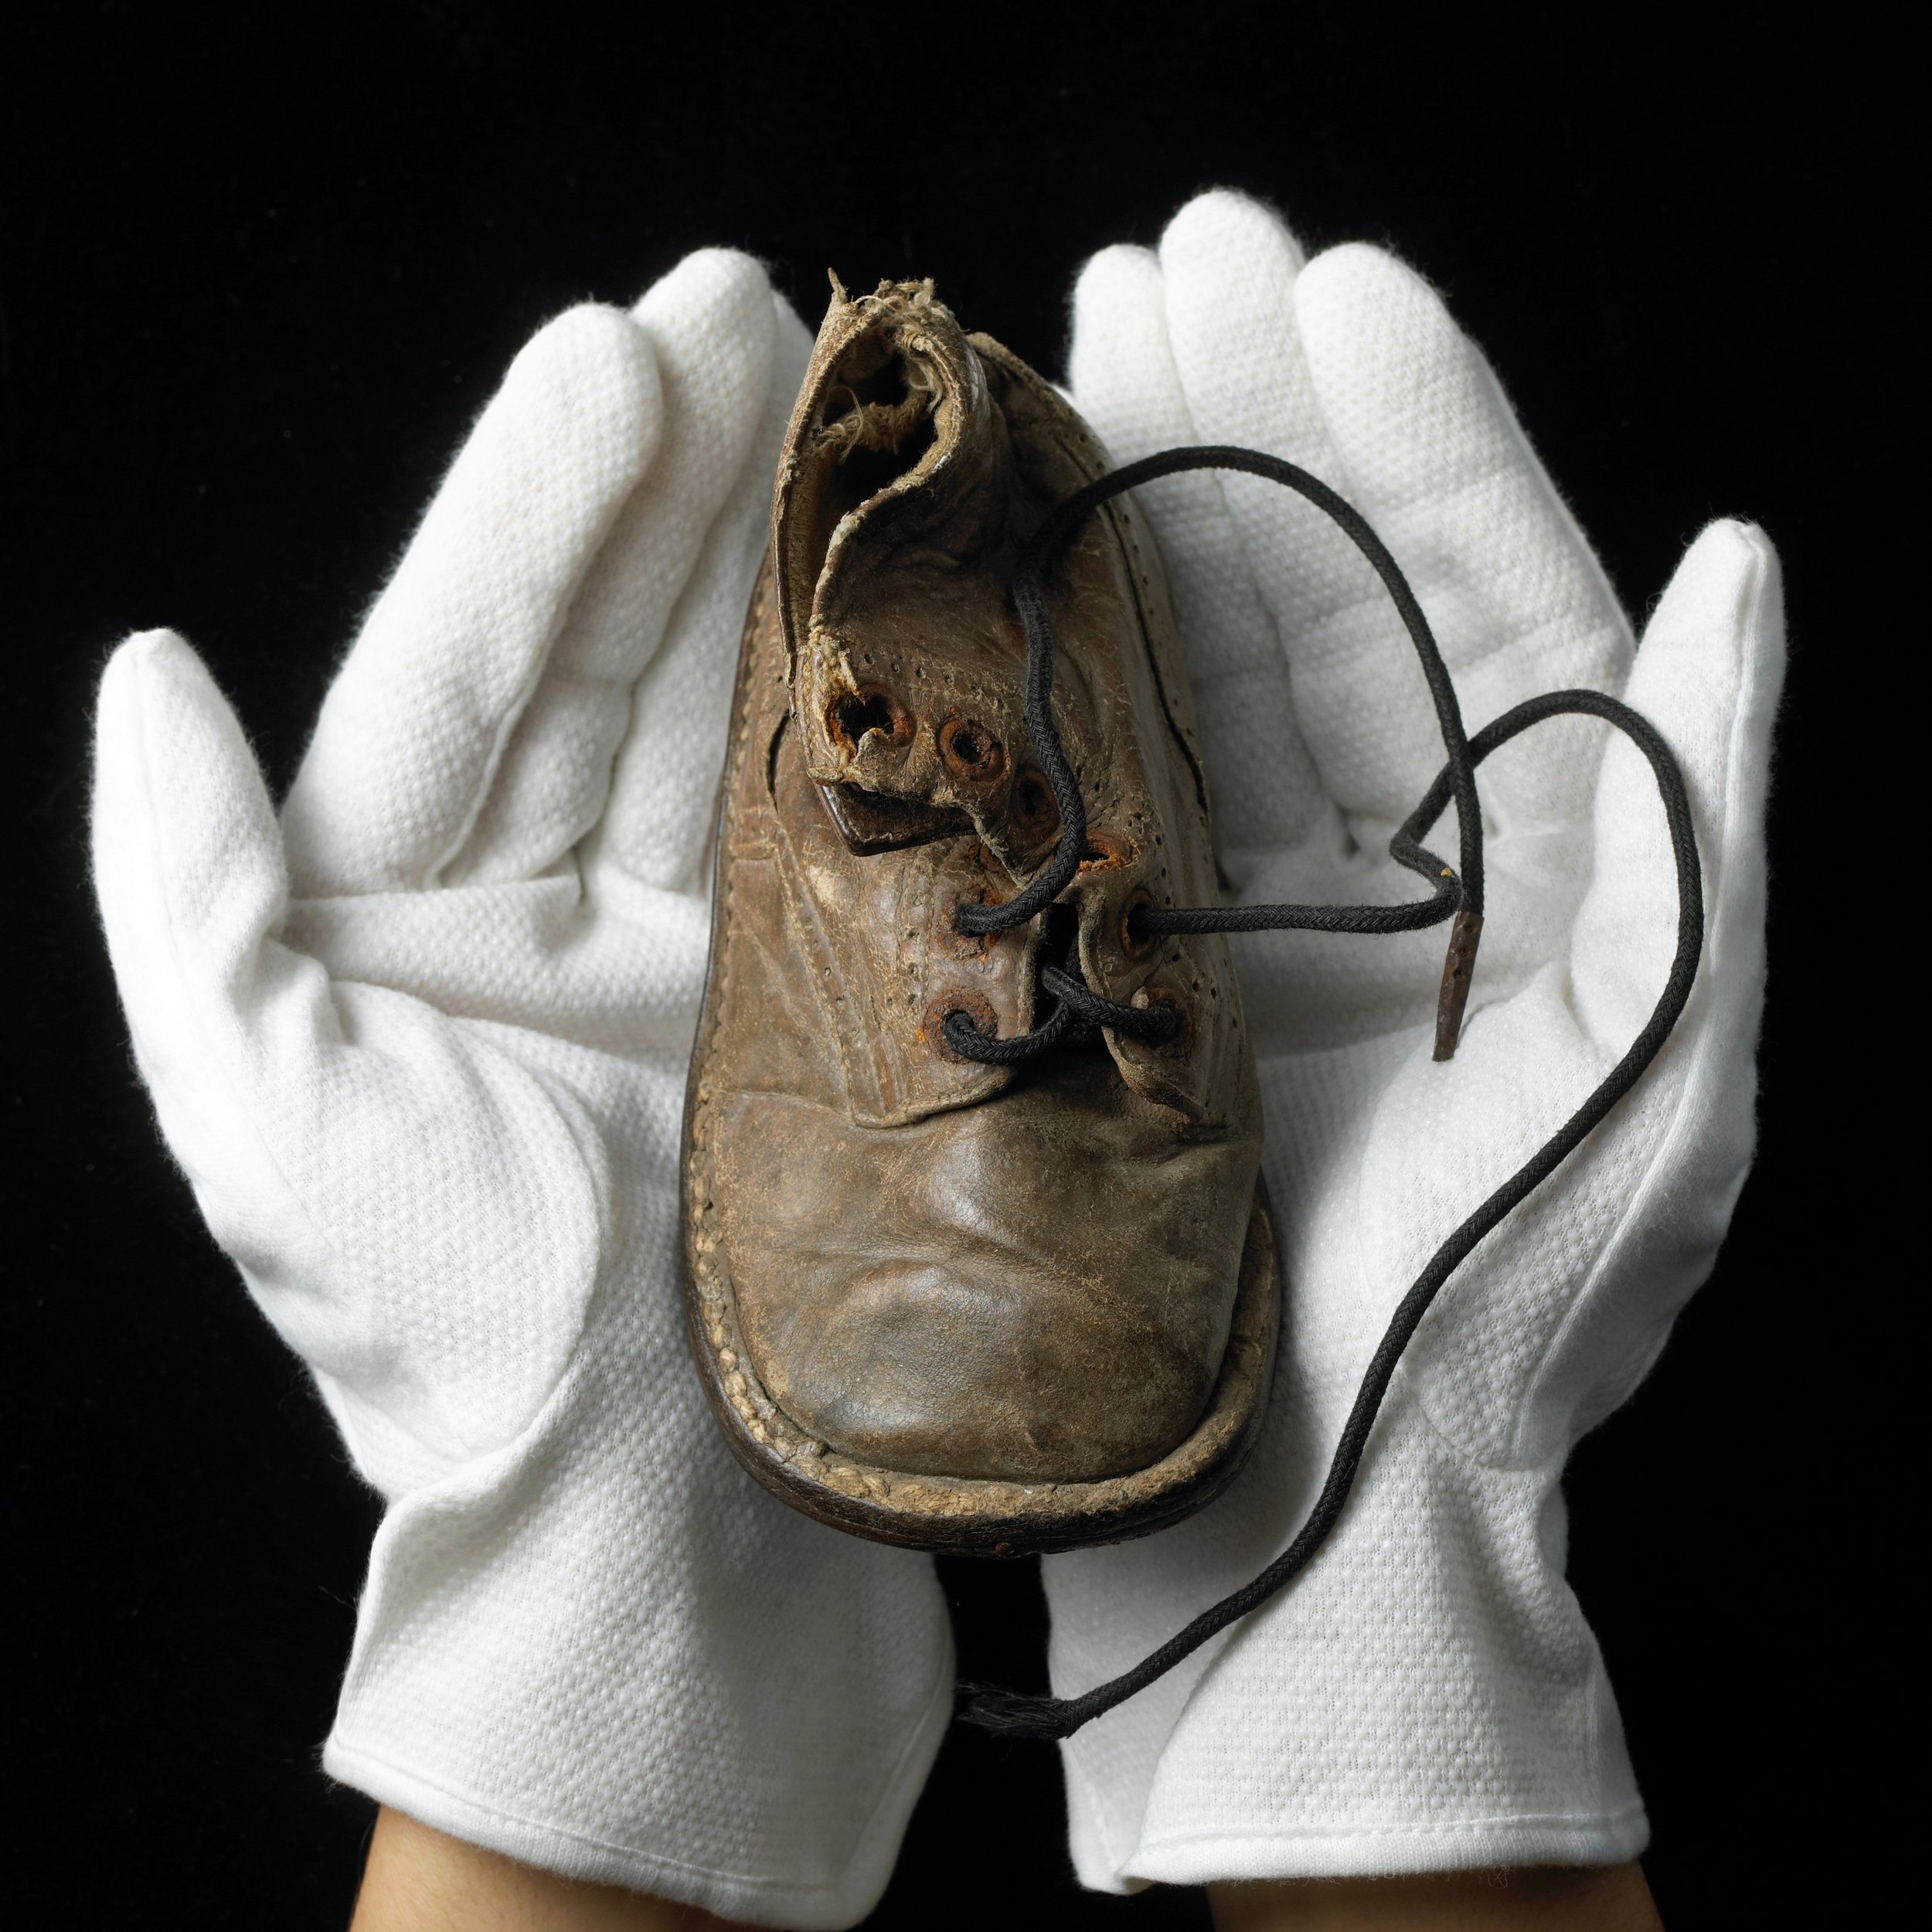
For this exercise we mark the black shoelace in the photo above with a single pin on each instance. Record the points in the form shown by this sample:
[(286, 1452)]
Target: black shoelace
[(1080, 1012)]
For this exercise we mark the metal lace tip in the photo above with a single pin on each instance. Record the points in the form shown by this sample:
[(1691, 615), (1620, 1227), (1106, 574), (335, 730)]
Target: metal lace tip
[(1457, 969)]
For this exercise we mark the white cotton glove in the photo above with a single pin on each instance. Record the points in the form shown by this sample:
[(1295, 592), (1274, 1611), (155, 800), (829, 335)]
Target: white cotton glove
[(420, 1050), (1427, 1694)]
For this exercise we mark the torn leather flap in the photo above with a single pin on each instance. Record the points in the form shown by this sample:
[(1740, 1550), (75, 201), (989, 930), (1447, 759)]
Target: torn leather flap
[(889, 530), (918, 462)]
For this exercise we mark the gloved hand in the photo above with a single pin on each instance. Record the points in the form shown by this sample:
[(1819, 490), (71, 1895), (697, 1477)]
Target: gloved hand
[(1427, 1694), (420, 1050)]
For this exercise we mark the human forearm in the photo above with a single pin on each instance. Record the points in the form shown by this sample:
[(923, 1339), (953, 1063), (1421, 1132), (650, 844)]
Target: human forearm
[(1549, 1898), (420, 1880)]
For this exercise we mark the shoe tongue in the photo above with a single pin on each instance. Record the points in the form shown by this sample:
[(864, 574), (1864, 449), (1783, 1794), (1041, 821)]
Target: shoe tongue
[(900, 506)]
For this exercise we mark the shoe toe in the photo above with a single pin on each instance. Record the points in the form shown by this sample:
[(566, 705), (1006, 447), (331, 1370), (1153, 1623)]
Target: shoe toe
[(1051, 1304)]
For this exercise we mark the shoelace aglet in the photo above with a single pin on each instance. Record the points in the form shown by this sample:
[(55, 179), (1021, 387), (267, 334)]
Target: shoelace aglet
[(1457, 969)]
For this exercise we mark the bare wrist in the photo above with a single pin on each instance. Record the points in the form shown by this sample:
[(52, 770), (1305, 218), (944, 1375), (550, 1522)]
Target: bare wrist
[(421, 1880), (1544, 1899)]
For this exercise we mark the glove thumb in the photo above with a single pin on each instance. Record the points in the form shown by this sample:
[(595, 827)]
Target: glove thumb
[(1708, 676), (189, 875)]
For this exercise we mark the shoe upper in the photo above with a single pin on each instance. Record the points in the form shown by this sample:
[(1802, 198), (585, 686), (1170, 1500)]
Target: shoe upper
[(939, 1265)]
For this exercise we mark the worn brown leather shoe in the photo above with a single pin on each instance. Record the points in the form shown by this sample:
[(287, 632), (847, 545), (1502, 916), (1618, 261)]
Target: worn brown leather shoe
[(939, 1301)]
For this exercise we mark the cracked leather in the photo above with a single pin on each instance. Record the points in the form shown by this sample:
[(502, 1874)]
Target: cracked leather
[(931, 1265)]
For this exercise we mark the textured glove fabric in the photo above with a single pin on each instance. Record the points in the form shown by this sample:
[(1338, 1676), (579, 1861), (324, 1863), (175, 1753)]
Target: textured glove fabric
[(420, 1048), (1428, 1694)]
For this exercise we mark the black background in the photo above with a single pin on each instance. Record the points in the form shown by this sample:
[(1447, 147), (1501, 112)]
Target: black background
[(259, 271)]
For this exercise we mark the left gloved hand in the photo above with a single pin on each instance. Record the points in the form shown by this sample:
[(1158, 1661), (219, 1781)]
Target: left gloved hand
[(1427, 1694), (419, 1044)]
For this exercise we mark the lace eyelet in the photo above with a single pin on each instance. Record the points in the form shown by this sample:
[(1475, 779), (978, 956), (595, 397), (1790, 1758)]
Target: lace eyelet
[(977, 1007), (1179, 1042), (970, 751), (1035, 817), (1137, 946), (854, 716), (1106, 852), (970, 945)]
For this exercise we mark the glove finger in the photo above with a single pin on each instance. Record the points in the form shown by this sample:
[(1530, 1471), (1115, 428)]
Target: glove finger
[(710, 323), (1126, 383), (1434, 458), (664, 792), (412, 730), (1232, 270)]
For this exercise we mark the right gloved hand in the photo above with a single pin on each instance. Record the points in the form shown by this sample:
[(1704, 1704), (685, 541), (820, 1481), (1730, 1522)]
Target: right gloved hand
[(420, 1050), (1426, 1696)]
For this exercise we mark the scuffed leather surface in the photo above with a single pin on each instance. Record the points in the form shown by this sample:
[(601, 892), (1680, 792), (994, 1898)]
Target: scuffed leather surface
[(937, 1267)]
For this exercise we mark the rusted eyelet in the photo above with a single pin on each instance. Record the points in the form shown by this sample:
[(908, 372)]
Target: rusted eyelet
[(1138, 946), (851, 714), (1034, 813), (965, 945), (1104, 851), (970, 751), (977, 1007), (1180, 1041)]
